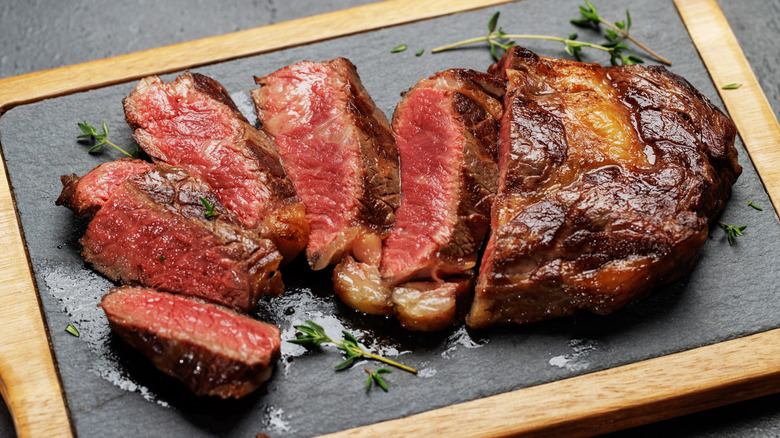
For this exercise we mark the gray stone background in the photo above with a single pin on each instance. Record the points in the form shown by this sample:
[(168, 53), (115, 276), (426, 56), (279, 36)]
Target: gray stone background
[(42, 34)]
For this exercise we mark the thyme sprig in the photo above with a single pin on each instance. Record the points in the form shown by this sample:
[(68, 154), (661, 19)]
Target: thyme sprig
[(732, 231), (615, 33), (498, 39), (209, 213), (376, 376), (91, 133), (312, 334)]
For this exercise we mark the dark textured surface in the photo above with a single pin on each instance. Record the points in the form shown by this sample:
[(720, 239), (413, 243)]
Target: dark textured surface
[(715, 302)]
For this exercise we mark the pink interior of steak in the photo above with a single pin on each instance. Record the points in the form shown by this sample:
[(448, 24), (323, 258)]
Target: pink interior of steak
[(429, 145), (183, 126), (305, 109), (131, 241), (219, 330), (87, 194)]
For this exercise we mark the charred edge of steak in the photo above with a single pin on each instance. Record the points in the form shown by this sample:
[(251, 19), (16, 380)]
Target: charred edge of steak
[(381, 182), (216, 91), (154, 232), (469, 100), (85, 195), (68, 199), (568, 233), (185, 338)]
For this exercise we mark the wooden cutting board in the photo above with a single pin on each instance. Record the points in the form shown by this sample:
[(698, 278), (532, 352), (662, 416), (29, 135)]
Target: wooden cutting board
[(594, 403)]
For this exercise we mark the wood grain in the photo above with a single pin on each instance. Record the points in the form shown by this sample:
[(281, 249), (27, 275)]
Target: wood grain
[(28, 380), (609, 400), (747, 105), (595, 403)]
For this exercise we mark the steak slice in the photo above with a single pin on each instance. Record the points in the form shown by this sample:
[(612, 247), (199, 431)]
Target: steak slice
[(609, 180), (87, 194), (212, 350), (446, 128), (153, 231), (338, 149), (193, 122)]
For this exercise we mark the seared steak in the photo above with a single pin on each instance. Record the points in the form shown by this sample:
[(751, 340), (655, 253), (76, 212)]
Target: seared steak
[(193, 122), (87, 194), (153, 231), (446, 128), (609, 180), (212, 350), (338, 149)]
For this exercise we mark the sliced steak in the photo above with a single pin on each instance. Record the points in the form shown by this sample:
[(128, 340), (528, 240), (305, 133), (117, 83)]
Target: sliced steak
[(85, 195), (153, 231), (212, 350), (609, 180), (193, 122), (446, 129), (338, 149)]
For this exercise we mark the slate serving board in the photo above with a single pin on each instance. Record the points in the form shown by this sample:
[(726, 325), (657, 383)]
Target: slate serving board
[(112, 391)]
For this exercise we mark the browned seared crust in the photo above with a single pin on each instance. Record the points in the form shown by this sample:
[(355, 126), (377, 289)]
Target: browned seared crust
[(609, 180)]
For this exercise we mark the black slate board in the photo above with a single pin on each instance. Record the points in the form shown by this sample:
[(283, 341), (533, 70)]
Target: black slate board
[(112, 391)]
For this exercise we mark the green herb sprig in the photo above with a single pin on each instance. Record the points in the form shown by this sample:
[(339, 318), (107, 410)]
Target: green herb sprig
[(90, 132), (754, 205), (615, 33), (499, 39), (397, 49), (733, 86), (732, 231), (376, 376), (209, 213), (312, 334)]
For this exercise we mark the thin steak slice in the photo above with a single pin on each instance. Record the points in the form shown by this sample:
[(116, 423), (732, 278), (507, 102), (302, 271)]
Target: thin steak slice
[(609, 180), (212, 350), (446, 128), (85, 195), (338, 149), (153, 231), (193, 122)]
